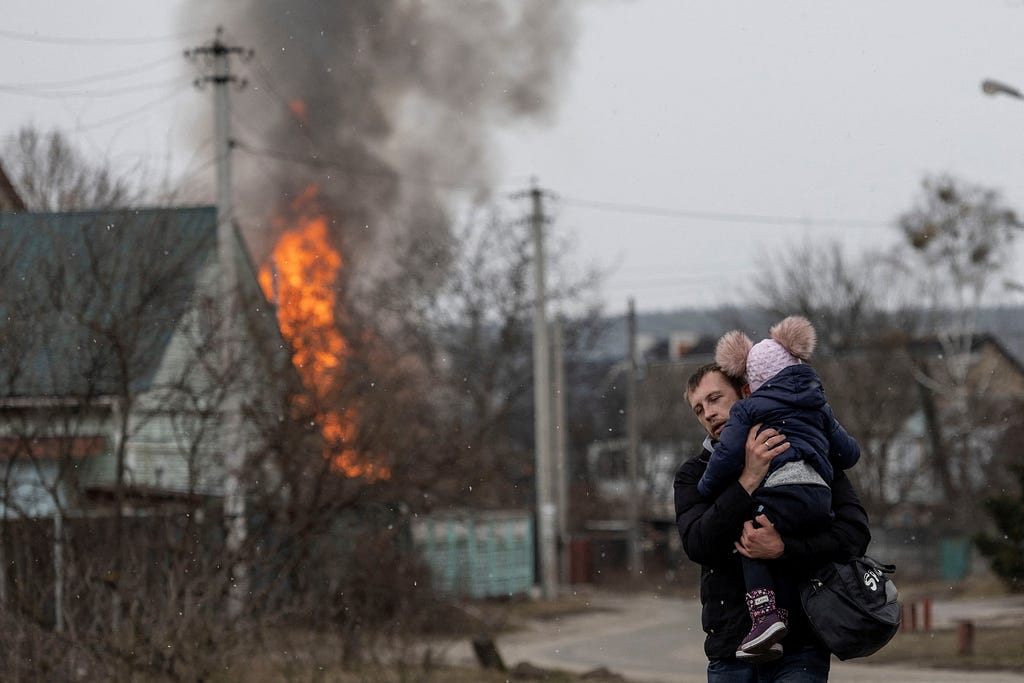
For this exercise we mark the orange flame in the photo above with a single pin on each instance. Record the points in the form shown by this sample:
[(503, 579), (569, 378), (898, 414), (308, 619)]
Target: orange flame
[(298, 109), (300, 277)]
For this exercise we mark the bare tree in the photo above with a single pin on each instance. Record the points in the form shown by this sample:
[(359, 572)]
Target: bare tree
[(110, 444), (468, 327), (961, 234), (51, 174), (861, 355), (958, 239), (415, 396), (898, 336), (845, 299)]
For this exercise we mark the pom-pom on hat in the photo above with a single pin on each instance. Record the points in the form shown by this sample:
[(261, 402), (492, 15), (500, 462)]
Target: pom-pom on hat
[(792, 342), (731, 354)]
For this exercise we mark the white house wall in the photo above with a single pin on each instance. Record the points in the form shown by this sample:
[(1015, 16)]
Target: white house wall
[(159, 455)]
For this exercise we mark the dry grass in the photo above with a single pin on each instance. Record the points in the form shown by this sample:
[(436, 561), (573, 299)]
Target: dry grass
[(304, 656), (255, 673), (973, 587), (994, 648), (563, 605)]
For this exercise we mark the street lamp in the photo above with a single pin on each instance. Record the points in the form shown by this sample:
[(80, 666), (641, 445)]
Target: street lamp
[(990, 87)]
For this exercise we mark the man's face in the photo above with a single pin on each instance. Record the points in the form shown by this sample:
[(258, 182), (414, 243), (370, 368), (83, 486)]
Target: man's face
[(711, 401)]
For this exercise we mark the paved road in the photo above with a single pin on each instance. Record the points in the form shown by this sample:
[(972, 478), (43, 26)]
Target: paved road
[(655, 639)]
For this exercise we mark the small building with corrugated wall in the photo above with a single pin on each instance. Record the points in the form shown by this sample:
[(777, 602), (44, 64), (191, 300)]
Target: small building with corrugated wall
[(477, 553)]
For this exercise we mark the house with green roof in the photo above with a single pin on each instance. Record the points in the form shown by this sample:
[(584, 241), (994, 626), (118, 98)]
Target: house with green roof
[(119, 360)]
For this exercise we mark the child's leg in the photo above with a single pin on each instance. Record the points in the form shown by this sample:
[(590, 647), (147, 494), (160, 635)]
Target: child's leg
[(756, 574), (786, 595), (796, 509)]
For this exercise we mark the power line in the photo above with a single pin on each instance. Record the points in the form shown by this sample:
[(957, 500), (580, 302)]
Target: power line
[(640, 209), (89, 79), (275, 176), (672, 282), (194, 172), (345, 167), (295, 117), (110, 92), (676, 276), (153, 104), (69, 40), (635, 209), (276, 94)]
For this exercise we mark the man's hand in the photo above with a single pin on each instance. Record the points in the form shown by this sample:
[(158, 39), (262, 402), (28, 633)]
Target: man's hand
[(761, 448), (760, 543)]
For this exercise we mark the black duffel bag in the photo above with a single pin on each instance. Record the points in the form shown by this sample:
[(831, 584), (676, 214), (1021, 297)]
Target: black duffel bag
[(853, 606)]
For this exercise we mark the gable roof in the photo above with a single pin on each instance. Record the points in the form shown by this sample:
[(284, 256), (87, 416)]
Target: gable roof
[(930, 346), (90, 299)]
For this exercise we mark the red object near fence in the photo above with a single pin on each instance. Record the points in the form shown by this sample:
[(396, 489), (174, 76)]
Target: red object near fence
[(965, 637), (580, 569)]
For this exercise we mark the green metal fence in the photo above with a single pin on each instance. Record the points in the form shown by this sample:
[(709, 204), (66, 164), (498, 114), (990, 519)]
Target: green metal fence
[(956, 558), (478, 554)]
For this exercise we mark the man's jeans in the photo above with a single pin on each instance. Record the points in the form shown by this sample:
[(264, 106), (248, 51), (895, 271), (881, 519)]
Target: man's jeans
[(809, 665)]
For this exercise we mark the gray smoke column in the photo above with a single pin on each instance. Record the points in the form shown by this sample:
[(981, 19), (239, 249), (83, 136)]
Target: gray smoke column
[(396, 100)]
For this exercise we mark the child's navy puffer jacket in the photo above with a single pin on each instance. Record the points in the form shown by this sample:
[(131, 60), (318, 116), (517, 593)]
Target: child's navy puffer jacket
[(793, 402)]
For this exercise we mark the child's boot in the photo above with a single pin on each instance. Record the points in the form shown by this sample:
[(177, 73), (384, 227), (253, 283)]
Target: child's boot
[(767, 627), (770, 655)]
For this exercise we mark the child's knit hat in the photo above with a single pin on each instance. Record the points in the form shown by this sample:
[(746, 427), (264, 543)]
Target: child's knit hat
[(792, 342)]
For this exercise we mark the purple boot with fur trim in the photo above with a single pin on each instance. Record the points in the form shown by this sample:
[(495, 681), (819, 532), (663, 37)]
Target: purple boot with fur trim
[(768, 626)]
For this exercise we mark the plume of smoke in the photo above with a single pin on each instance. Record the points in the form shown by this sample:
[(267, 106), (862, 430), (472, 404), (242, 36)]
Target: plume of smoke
[(396, 100)]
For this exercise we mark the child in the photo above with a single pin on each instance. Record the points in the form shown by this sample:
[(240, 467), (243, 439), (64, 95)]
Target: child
[(786, 394)]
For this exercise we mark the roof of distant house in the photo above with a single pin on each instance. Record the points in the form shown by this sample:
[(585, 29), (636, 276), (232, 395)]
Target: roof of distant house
[(91, 297)]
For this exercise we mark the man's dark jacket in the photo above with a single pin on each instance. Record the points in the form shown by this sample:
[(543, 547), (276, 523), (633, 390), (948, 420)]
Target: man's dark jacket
[(708, 531)]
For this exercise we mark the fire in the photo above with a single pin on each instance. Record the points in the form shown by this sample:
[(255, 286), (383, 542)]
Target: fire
[(300, 278), (298, 110)]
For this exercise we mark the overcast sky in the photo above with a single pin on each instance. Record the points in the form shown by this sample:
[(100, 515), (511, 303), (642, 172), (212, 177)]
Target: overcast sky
[(679, 119)]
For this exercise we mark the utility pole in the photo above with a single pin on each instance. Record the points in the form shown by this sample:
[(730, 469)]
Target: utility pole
[(228, 241), (58, 568), (635, 555), (542, 406), (561, 451)]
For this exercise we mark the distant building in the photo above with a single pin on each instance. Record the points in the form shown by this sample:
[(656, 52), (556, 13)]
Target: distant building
[(109, 358), (668, 432)]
